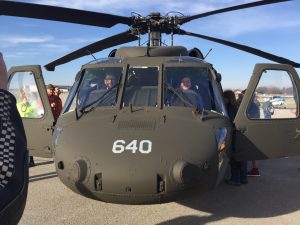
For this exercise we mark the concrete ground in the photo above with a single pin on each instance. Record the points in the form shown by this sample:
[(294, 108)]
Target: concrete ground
[(273, 198)]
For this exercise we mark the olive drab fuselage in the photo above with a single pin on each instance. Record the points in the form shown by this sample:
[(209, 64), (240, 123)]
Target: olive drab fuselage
[(141, 153)]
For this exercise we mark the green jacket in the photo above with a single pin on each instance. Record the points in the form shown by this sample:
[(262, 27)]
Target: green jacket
[(27, 110)]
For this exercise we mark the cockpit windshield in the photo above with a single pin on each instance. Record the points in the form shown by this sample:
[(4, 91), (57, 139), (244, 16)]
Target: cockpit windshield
[(191, 87), (141, 86), (99, 87), (184, 86)]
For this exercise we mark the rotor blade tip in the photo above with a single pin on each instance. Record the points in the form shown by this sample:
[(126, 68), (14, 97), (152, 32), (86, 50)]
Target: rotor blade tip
[(49, 68)]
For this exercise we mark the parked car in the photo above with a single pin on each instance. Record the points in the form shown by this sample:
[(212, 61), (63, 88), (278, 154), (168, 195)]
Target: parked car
[(277, 101)]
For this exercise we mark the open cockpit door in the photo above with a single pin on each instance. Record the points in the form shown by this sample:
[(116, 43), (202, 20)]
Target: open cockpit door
[(268, 122), (26, 83)]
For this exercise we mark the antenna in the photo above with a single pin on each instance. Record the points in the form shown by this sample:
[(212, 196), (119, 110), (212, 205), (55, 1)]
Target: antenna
[(91, 54), (207, 54)]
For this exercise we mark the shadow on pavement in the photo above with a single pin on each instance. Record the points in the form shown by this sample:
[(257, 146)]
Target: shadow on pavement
[(42, 176), (275, 193), (44, 163)]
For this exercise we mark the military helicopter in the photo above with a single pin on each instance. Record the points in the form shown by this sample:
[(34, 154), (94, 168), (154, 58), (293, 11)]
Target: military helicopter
[(148, 124)]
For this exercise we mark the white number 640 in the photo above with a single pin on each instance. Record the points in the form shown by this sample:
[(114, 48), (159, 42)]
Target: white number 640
[(143, 146)]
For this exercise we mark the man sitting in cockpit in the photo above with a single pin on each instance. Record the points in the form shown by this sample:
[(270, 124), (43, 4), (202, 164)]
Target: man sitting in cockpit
[(96, 89), (187, 96), (109, 81)]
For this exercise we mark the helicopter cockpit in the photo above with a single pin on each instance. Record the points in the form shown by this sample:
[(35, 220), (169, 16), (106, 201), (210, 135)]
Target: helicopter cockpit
[(152, 85)]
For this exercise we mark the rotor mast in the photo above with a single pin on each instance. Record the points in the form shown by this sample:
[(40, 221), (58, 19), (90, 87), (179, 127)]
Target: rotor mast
[(155, 38), (154, 29)]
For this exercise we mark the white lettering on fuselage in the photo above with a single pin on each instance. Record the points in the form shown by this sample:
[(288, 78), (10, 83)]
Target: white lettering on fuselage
[(143, 146)]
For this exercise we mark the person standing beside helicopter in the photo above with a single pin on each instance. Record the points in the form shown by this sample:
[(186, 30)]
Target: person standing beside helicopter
[(26, 110), (57, 93), (253, 112), (13, 156), (238, 168), (50, 93), (56, 107), (24, 107)]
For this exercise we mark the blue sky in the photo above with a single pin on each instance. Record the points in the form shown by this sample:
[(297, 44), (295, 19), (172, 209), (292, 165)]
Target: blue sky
[(272, 28)]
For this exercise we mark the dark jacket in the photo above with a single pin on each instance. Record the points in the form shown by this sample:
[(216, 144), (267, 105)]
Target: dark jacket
[(13, 161), (231, 110)]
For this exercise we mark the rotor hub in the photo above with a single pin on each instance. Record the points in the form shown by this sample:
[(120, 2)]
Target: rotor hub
[(154, 22)]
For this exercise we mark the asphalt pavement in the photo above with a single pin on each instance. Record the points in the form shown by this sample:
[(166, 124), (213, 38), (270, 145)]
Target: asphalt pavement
[(272, 198)]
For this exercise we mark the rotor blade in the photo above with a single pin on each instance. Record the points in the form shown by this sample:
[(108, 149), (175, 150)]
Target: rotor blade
[(186, 19), (118, 39), (55, 13), (244, 48)]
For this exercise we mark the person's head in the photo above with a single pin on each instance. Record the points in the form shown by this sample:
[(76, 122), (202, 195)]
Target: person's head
[(50, 89), (185, 83), (229, 97), (109, 80), (57, 91)]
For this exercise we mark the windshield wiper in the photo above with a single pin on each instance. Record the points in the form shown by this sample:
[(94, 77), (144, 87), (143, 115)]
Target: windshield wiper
[(98, 100)]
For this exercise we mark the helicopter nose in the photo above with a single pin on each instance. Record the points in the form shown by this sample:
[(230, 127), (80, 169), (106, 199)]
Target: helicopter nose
[(184, 172)]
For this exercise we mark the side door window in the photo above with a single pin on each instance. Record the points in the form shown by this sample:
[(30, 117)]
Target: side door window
[(23, 86), (275, 97), (26, 83), (267, 122)]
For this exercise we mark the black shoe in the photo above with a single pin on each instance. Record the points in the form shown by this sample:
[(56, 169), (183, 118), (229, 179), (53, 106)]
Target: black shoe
[(233, 183)]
